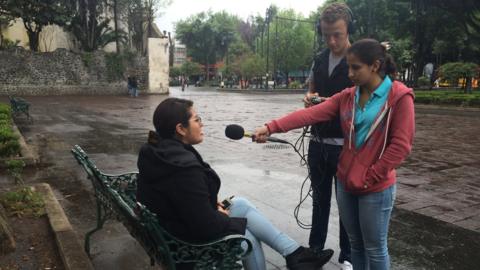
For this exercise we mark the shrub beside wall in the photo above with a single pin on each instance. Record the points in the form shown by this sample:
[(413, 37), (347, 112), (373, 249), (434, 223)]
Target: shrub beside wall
[(9, 146)]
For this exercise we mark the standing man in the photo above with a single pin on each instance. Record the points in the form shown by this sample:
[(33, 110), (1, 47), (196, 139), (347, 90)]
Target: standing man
[(132, 85), (329, 75)]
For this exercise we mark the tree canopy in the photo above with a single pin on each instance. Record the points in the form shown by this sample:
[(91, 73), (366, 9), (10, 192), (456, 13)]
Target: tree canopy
[(207, 36), (35, 15)]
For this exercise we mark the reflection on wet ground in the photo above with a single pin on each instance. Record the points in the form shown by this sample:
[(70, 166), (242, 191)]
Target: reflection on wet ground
[(438, 190)]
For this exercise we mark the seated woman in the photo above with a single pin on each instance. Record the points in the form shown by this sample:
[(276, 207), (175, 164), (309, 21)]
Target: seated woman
[(175, 183)]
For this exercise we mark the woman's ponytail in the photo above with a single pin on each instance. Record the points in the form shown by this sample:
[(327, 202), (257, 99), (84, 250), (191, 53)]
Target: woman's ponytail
[(370, 50), (389, 67)]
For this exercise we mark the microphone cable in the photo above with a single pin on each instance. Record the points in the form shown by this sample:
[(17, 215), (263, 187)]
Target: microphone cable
[(301, 148)]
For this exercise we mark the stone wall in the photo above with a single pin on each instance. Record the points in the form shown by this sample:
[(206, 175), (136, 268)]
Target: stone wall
[(62, 73)]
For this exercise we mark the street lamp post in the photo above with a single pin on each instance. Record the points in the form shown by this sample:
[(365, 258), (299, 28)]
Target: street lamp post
[(275, 56), (266, 81), (225, 45), (267, 21)]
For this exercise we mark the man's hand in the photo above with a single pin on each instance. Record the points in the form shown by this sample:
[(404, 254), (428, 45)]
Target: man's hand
[(307, 100)]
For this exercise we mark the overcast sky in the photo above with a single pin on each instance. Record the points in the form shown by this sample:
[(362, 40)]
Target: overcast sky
[(182, 9)]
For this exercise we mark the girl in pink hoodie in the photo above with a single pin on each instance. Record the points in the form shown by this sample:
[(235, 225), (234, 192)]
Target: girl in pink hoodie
[(378, 121)]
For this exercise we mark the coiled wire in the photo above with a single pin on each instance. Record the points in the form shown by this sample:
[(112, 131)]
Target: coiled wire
[(301, 149)]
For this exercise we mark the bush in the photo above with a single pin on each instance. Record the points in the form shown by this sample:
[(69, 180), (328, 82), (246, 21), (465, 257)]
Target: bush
[(15, 169), (115, 66), (5, 109), (87, 58), (9, 149), (23, 201), (295, 85), (423, 81), (448, 97), (454, 71), (5, 117), (8, 44), (6, 134), (9, 145)]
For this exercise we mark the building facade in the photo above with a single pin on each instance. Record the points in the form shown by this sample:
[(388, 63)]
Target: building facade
[(179, 53)]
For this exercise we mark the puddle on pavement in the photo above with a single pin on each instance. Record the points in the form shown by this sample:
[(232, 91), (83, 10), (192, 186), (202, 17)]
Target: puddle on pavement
[(67, 127), (242, 171)]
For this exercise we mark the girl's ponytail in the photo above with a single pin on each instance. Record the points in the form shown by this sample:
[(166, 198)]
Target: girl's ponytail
[(389, 67)]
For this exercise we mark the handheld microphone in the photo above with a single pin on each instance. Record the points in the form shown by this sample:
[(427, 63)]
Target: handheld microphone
[(236, 132)]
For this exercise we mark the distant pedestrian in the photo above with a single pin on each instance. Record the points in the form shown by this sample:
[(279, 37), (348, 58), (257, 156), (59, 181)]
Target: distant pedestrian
[(132, 86)]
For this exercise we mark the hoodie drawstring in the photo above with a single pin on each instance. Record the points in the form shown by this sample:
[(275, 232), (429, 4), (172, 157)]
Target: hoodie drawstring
[(351, 126), (386, 133)]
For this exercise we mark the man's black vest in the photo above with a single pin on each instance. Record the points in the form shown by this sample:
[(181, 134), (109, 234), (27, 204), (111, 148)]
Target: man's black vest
[(327, 86)]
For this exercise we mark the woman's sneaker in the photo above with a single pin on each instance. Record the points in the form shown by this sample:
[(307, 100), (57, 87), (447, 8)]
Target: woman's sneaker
[(305, 259)]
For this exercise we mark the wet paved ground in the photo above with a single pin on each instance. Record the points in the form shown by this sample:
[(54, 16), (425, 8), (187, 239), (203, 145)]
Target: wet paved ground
[(436, 223)]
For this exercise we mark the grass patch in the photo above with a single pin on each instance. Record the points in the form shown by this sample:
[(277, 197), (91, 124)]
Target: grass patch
[(23, 202)]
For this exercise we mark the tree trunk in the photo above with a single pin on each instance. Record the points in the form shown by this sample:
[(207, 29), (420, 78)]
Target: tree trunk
[(115, 18), (33, 38), (91, 22), (207, 69), (468, 87)]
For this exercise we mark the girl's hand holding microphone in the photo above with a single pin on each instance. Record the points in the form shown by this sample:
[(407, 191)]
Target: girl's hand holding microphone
[(261, 134)]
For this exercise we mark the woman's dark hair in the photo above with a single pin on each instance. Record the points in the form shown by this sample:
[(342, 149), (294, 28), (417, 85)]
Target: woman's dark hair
[(369, 51), (169, 113)]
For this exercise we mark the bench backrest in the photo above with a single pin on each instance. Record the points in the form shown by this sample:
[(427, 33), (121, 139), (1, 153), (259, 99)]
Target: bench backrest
[(117, 192)]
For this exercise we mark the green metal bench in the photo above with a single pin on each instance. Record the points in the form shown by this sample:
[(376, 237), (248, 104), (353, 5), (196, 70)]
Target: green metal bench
[(116, 199), (19, 105)]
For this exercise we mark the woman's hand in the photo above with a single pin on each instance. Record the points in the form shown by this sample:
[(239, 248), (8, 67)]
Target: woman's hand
[(220, 209), (261, 134)]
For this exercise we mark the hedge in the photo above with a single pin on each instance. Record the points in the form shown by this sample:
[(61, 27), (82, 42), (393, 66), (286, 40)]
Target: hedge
[(448, 97), (9, 146)]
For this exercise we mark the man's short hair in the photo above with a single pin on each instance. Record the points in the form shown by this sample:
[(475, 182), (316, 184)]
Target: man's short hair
[(335, 12)]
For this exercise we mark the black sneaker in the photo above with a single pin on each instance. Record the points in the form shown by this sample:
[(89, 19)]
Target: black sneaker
[(305, 259)]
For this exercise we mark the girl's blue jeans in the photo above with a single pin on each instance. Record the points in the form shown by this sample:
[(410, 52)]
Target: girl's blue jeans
[(366, 219)]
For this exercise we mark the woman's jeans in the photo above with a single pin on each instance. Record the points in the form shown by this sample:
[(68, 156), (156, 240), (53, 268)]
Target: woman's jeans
[(259, 229), (366, 219), (132, 91)]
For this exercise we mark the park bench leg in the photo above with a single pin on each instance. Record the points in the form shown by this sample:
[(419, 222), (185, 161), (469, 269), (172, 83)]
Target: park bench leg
[(101, 218)]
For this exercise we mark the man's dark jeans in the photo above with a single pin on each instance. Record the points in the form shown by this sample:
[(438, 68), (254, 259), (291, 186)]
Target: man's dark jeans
[(322, 160)]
